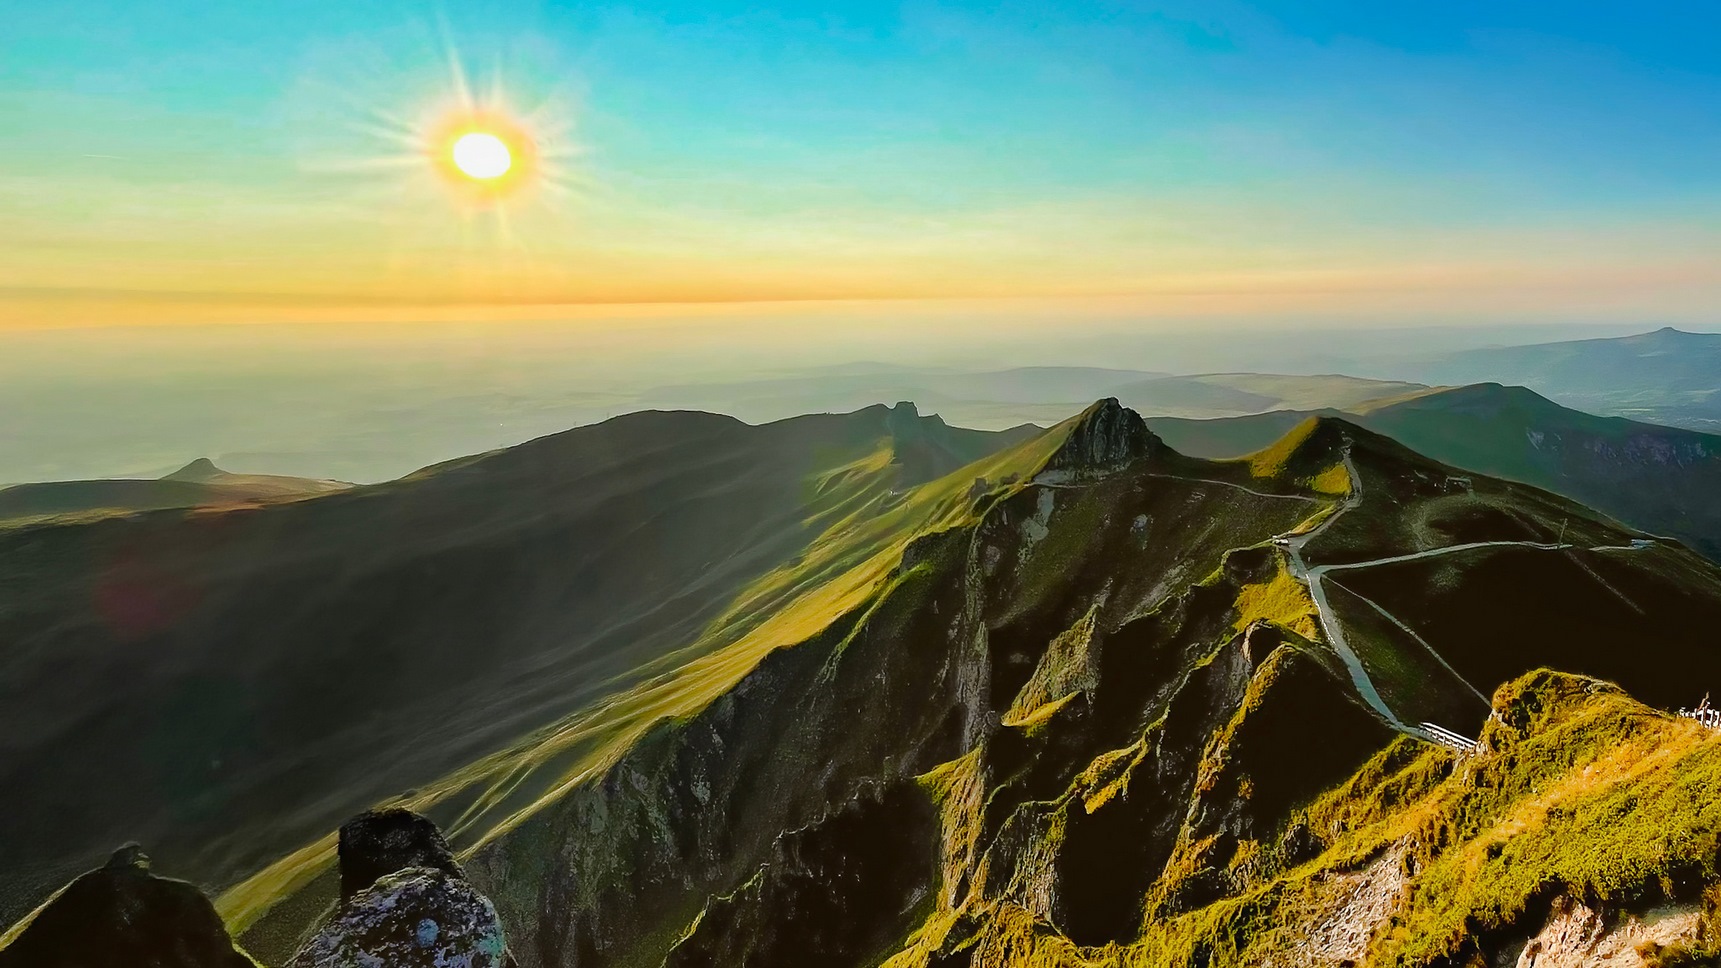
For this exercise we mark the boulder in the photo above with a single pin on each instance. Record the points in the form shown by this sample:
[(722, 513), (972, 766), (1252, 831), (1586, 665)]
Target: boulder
[(405, 903), (377, 843), (420, 917)]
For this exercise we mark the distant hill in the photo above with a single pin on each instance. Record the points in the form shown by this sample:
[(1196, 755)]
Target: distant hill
[(1664, 480), (1668, 376), (197, 484)]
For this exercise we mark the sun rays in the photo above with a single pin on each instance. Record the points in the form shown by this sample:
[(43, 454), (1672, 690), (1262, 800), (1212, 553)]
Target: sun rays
[(482, 154)]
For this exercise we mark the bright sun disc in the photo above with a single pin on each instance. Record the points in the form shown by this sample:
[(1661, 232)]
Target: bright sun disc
[(483, 156)]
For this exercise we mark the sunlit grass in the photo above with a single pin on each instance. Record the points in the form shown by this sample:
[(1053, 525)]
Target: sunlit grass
[(864, 524)]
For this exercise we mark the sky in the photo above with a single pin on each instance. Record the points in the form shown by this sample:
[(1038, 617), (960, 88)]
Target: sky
[(190, 161)]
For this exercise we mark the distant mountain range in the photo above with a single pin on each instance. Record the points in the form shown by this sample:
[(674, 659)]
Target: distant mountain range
[(1667, 377), (378, 421), (865, 689)]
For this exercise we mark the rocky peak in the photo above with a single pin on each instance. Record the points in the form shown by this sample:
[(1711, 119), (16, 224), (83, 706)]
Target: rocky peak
[(128, 857), (1105, 437), (907, 424)]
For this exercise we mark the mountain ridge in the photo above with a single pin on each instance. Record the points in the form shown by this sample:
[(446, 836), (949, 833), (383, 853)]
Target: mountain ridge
[(1653, 476), (270, 627), (1047, 707)]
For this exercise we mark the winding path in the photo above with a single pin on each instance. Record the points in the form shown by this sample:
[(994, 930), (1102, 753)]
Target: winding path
[(1334, 629)]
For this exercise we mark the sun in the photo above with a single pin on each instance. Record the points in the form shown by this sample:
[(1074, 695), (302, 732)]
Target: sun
[(482, 155), (485, 154)]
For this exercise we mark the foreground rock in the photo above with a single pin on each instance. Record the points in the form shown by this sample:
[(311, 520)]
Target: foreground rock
[(122, 916), (415, 918), (405, 903)]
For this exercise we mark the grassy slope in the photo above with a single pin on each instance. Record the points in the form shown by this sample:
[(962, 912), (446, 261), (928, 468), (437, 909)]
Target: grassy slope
[(1658, 478), (1054, 549), (1566, 757), (860, 542), (1039, 825), (309, 659)]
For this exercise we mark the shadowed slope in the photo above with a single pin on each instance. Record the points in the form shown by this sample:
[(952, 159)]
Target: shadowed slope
[(226, 684), (122, 916)]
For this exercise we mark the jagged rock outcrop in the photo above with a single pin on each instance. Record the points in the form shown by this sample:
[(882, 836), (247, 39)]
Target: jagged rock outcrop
[(405, 902), (123, 916), (416, 918), (1106, 437), (1579, 936)]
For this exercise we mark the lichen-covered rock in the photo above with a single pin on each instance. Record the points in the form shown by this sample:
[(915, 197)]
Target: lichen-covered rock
[(378, 843), (416, 918), (122, 916)]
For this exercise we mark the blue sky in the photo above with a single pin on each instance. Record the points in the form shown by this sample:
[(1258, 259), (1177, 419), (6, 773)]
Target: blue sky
[(1053, 150)]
